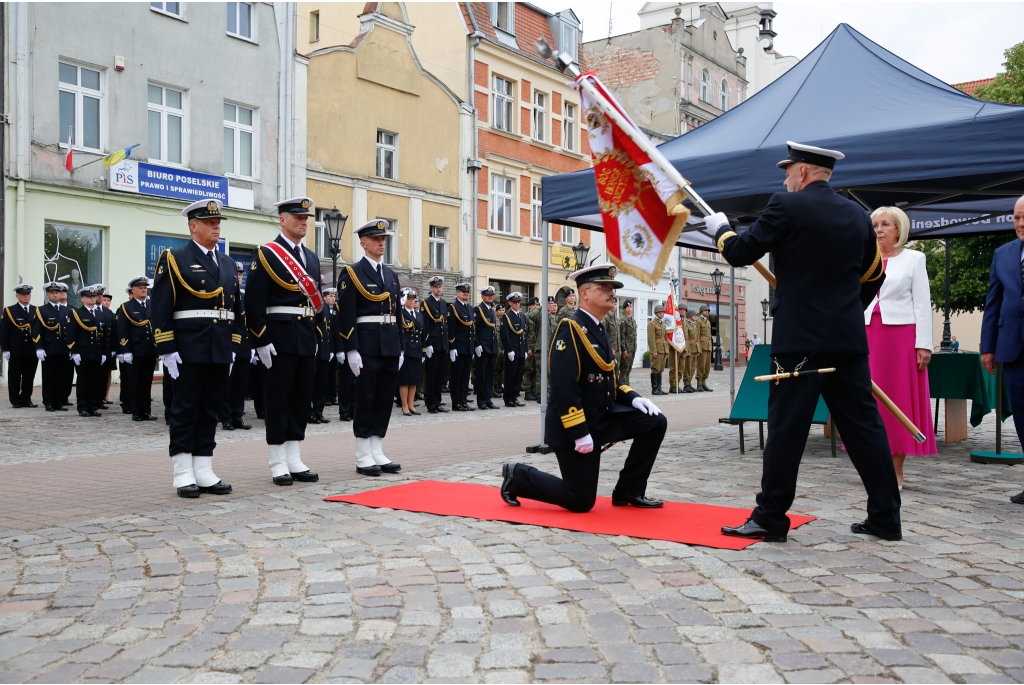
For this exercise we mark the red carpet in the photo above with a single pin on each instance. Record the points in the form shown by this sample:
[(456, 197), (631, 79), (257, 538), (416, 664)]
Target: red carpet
[(691, 524)]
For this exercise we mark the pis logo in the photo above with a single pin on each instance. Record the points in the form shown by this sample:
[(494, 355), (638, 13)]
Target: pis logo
[(124, 175)]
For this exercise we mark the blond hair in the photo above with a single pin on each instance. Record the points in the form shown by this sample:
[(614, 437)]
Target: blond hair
[(899, 217)]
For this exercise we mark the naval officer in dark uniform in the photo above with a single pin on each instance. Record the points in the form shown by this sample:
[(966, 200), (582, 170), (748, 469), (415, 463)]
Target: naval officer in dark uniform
[(88, 344), (137, 349), (462, 347), (53, 343), (588, 410), (233, 408), (369, 341), (829, 268), (281, 317), (436, 343), (19, 333), (487, 339), (197, 322), (513, 340), (325, 361)]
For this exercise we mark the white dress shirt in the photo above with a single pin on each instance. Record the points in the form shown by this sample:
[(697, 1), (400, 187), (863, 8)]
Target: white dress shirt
[(905, 296)]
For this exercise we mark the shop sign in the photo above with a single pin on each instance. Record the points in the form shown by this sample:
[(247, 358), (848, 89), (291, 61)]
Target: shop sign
[(703, 289), (131, 176), (562, 257)]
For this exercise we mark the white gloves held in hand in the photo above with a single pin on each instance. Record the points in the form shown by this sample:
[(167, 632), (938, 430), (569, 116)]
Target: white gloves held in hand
[(646, 406), (128, 358), (41, 355), (511, 356), (715, 222), (401, 359), (7, 356), (355, 362), (252, 357), (103, 359), (585, 445), (170, 362), (453, 354), (430, 351), (340, 356), (479, 350), (76, 358), (265, 353)]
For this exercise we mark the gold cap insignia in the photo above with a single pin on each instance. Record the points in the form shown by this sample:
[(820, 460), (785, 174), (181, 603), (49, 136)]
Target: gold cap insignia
[(380, 226), (612, 272), (305, 204), (211, 207)]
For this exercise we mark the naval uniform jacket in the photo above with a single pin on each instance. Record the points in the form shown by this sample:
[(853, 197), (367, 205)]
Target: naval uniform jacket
[(19, 331), (362, 292), (513, 333), (270, 285), (53, 329), (135, 329), (486, 328), (435, 319), (325, 334), (187, 280), (87, 336), (827, 263), (461, 333), (584, 391), (412, 334)]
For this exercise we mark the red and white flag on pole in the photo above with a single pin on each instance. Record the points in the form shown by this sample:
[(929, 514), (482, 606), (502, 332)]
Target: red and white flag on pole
[(675, 329), (640, 194), (67, 157)]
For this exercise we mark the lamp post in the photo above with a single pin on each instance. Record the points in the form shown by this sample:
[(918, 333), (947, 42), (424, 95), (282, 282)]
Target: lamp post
[(716, 278), (334, 222), (580, 252), (764, 313), (946, 345)]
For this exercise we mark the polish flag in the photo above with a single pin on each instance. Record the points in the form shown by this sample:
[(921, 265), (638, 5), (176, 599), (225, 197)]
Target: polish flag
[(67, 157)]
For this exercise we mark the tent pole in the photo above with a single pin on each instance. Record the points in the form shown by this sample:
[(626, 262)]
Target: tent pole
[(734, 331), (946, 339)]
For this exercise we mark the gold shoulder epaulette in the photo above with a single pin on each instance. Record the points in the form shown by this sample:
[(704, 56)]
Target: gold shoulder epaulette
[(876, 269), (725, 236)]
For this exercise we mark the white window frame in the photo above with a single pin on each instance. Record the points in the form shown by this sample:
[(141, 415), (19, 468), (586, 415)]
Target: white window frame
[(255, 130), (506, 100), (570, 232), (391, 238), (314, 26), (511, 8), (723, 95), (439, 242), (537, 223), (160, 10), (569, 46), (252, 22), (79, 92), (507, 200), (705, 86), (569, 127), (164, 110), (540, 116), (383, 149)]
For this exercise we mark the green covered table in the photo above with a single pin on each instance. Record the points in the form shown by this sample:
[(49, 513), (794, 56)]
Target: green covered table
[(958, 377)]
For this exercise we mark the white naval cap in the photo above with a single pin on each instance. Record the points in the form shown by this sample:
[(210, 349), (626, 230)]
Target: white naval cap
[(300, 206), (798, 152), (514, 296), (209, 208)]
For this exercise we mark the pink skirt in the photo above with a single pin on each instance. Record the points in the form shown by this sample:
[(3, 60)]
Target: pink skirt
[(893, 361)]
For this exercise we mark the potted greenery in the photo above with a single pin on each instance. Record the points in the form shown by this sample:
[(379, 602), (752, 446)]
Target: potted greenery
[(647, 360)]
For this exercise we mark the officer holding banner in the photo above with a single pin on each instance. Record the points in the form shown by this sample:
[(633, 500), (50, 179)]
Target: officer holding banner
[(282, 299)]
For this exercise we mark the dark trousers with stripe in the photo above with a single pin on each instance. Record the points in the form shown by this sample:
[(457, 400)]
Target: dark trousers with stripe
[(21, 373), (485, 378), (234, 399), (321, 385), (287, 396), (374, 396), (198, 393), (91, 386), (140, 384), (346, 390), (514, 376), (434, 372), (55, 374), (458, 384), (124, 397)]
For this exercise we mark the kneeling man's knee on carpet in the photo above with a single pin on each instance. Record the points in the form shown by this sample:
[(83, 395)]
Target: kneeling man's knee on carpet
[(581, 504)]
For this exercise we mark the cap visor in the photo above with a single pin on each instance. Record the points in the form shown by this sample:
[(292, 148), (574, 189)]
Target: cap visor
[(784, 163)]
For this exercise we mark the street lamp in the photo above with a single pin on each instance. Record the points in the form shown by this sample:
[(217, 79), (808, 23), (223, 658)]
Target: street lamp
[(334, 222), (580, 252), (764, 313), (716, 280), (947, 341)]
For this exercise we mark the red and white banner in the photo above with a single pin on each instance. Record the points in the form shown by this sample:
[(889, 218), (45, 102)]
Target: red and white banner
[(306, 283), (68, 163), (676, 336), (641, 208)]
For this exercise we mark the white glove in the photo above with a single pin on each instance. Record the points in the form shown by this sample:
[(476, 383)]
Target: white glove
[(170, 362), (340, 356), (646, 406), (265, 353), (430, 351), (511, 356), (479, 350), (585, 445), (232, 364), (41, 355), (120, 358), (401, 359), (103, 359), (715, 222), (76, 358), (423, 360), (252, 357), (355, 362), (453, 354), (7, 356), (128, 357)]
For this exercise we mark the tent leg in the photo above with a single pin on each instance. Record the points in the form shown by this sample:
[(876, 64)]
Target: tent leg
[(760, 430), (936, 422), (742, 450), (832, 434)]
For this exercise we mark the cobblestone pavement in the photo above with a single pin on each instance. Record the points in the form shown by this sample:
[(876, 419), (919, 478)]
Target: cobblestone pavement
[(288, 588)]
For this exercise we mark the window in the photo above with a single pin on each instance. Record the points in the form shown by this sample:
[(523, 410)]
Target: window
[(81, 109), (540, 116), (239, 138), (505, 16), (538, 226), (172, 8), (569, 127), (240, 19), (72, 255), (166, 117), (705, 86), (439, 248), (723, 95), (389, 240), (568, 235), (387, 153), (569, 41), (502, 104), (314, 26), (501, 204)]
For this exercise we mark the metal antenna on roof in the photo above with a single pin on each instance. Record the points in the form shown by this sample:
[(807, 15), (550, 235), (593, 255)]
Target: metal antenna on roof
[(610, 23)]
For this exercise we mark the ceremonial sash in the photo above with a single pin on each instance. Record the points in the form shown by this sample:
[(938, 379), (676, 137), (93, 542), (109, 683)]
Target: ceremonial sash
[(306, 283)]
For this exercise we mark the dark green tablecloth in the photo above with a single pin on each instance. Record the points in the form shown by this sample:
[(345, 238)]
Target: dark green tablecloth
[(960, 376)]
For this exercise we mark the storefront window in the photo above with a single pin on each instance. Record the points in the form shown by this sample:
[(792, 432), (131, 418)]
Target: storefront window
[(73, 255)]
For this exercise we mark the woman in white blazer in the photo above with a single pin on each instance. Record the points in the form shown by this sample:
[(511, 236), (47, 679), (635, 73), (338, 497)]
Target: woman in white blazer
[(899, 328)]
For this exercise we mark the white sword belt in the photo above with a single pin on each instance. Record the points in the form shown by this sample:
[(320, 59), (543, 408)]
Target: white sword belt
[(298, 311), (222, 314), (383, 318)]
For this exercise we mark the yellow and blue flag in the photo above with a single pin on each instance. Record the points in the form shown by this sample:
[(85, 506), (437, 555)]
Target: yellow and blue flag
[(115, 157)]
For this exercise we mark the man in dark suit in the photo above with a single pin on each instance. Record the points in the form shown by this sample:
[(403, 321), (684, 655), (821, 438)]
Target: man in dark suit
[(513, 340), (462, 347), (137, 349), (280, 314), (486, 320), (19, 333), (369, 341), (197, 322), (324, 357), (67, 380), (1002, 326), (89, 344), (588, 410), (435, 341), (233, 408), (829, 268), (53, 343)]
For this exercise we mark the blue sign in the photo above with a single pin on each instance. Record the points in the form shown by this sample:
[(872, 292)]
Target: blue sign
[(180, 183), (156, 244), (244, 256)]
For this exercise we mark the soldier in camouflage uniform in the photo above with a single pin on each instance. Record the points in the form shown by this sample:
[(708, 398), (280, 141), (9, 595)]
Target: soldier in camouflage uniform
[(627, 339), (569, 308), (704, 361), (499, 366), (531, 384), (692, 350), (611, 327)]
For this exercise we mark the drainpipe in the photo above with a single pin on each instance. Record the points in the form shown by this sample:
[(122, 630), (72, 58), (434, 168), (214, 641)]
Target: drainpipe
[(22, 131), (475, 161), (3, 135)]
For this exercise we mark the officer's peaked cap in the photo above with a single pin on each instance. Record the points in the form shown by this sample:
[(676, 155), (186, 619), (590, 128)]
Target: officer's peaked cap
[(210, 208), (798, 152), (300, 206)]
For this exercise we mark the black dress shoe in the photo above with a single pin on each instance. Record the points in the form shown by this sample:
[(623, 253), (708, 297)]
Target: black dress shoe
[(241, 425), (369, 470), (306, 476), (672, 390), (136, 417), (688, 388), (218, 488), (530, 396), (16, 405), (95, 414), (189, 491), (29, 405), (82, 412), (431, 410), (458, 407), (416, 413), (705, 388), (227, 425), (50, 409), (507, 490), (107, 403), (482, 407), (466, 407), (344, 416), (61, 408), (1018, 499), (491, 406), (323, 419), (149, 417), (867, 528), (286, 479), (391, 467), (621, 499), (126, 410), (405, 413), (752, 531), (313, 419), (440, 409)]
